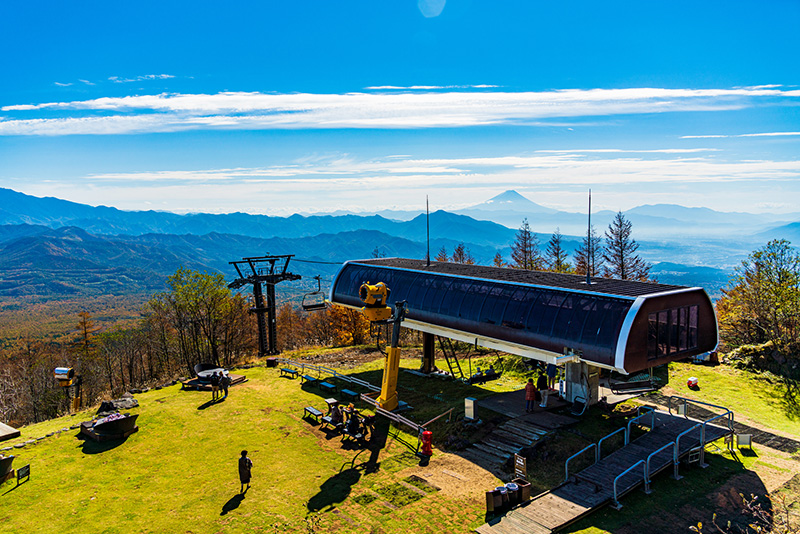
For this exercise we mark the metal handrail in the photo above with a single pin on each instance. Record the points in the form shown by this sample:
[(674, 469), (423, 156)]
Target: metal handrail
[(675, 463), (678, 439), (652, 414), (687, 400), (600, 443), (566, 464), (322, 369), (645, 478), (729, 415)]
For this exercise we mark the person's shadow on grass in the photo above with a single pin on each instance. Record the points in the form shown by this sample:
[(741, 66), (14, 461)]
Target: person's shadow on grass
[(233, 503), (208, 404)]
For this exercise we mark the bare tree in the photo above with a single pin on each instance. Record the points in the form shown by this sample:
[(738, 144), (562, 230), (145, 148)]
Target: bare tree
[(461, 254), (525, 249), (442, 255), (621, 260)]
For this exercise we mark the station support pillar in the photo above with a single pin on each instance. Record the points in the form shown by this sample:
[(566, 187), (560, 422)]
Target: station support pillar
[(582, 382), (428, 353)]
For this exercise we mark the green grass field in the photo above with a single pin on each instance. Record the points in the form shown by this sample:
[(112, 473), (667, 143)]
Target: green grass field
[(178, 473)]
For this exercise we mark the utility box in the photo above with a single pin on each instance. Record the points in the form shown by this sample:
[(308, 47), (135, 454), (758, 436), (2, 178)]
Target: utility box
[(469, 409)]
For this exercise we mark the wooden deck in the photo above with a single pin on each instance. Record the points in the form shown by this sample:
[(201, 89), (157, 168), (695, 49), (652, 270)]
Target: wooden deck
[(497, 447), (593, 487)]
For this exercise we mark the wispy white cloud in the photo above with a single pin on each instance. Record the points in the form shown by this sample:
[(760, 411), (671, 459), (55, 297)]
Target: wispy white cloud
[(87, 82), (427, 87), (117, 79), (764, 134), (452, 109), (342, 181), (63, 84)]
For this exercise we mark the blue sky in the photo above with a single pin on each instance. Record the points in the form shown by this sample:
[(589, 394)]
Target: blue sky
[(275, 108)]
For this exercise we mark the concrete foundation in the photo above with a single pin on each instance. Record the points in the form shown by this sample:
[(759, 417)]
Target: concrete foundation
[(582, 382)]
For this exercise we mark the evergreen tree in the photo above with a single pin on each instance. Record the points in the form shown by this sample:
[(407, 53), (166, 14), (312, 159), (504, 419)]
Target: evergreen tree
[(555, 256), (525, 249), (442, 255), (498, 260), (621, 260), (589, 253), (461, 254)]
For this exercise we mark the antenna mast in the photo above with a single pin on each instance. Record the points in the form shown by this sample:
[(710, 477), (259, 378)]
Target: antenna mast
[(589, 244), (428, 228)]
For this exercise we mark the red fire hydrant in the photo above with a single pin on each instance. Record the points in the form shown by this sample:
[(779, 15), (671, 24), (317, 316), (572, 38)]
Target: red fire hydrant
[(427, 446)]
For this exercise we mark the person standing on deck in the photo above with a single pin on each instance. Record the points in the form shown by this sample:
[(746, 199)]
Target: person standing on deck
[(530, 396)]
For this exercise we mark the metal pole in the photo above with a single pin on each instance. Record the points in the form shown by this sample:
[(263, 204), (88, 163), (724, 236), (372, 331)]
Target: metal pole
[(589, 244)]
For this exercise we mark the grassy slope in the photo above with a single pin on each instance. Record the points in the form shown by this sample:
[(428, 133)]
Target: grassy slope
[(178, 473), (754, 398)]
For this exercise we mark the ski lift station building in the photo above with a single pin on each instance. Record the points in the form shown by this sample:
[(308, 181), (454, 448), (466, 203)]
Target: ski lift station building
[(623, 325)]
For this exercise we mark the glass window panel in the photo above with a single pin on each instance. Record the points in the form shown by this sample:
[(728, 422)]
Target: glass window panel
[(473, 300), (652, 336), (663, 334), (693, 327), (673, 330), (416, 284), (440, 288), (563, 316), (583, 307), (612, 322), (454, 296), (495, 304), (683, 320), (519, 307), (547, 307)]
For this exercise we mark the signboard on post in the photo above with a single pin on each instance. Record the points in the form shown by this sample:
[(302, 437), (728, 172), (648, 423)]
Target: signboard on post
[(520, 466), (24, 472)]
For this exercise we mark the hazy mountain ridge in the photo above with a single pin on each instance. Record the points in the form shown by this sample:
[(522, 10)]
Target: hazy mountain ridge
[(38, 246)]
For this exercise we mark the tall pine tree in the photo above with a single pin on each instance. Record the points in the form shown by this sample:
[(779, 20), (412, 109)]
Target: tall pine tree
[(555, 257), (589, 255), (525, 249), (621, 260)]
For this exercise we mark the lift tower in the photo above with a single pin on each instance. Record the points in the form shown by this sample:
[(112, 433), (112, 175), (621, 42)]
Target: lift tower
[(269, 270)]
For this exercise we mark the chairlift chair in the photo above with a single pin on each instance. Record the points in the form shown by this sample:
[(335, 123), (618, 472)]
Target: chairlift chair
[(316, 299)]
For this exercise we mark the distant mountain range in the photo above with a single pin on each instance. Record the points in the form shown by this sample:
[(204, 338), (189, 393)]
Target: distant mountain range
[(53, 247), (659, 221)]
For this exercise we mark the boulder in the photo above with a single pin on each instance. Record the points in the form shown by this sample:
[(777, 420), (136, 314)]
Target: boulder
[(116, 405)]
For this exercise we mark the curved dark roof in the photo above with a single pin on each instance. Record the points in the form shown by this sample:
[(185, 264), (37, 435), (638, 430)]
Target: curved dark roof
[(574, 282), (531, 313)]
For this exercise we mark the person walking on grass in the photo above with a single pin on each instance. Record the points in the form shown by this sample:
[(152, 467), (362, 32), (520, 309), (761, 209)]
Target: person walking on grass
[(530, 396), (214, 386), (245, 465), (224, 383)]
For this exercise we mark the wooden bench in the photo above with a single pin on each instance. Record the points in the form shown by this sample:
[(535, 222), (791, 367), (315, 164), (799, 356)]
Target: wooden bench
[(310, 411), (308, 378), (285, 371), (328, 420), (326, 386), (349, 394)]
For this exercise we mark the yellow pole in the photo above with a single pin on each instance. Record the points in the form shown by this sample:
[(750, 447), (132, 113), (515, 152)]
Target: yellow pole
[(388, 397)]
